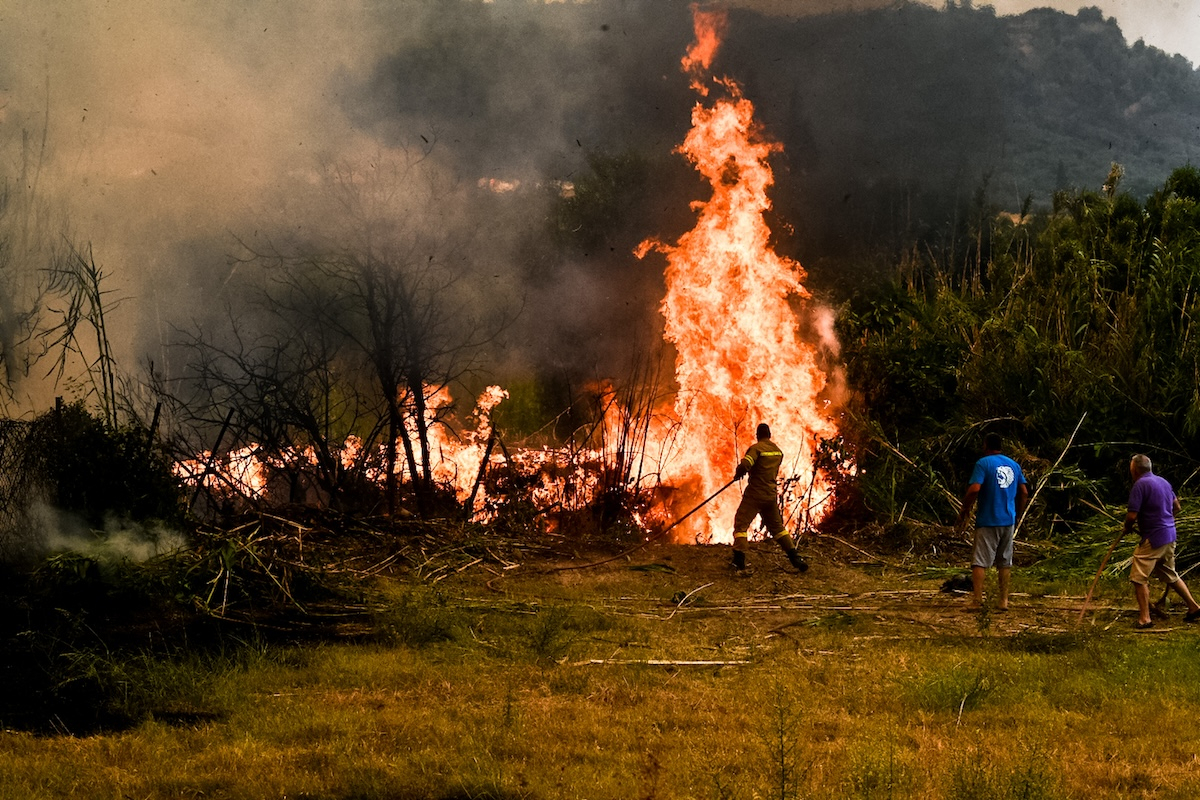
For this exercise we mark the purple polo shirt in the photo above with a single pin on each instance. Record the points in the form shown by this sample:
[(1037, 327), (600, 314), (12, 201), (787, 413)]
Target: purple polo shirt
[(1152, 499)]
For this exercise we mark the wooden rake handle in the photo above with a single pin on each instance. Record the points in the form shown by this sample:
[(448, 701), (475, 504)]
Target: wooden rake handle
[(1096, 580)]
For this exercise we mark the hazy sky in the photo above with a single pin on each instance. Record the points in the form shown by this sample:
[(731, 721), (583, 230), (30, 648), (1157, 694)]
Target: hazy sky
[(151, 101), (1170, 25)]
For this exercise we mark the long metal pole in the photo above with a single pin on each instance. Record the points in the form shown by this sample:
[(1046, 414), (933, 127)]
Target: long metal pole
[(703, 503), (658, 535)]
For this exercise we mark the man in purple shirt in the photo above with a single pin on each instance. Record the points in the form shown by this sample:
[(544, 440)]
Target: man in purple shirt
[(1153, 506)]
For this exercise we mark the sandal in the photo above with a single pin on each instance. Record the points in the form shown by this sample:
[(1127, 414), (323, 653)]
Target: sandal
[(1141, 626), (1192, 616)]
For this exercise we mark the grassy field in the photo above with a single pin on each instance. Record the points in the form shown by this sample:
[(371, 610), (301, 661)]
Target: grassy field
[(660, 675)]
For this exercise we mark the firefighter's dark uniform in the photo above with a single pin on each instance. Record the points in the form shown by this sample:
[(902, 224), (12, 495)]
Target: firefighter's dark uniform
[(761, 498)]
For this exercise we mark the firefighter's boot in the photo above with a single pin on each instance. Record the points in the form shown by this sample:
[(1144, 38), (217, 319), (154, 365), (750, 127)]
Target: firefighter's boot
[(741, 540), (789, 547)]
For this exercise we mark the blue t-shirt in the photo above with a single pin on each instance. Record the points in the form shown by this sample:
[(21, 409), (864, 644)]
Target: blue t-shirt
[(1153, 500), (998, 477)]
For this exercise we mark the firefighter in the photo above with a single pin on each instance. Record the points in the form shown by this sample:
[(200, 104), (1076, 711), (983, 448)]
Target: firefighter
[(761, 498)]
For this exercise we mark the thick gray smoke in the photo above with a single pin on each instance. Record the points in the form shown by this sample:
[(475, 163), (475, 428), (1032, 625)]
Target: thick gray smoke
[(170, 130), (173, 130)]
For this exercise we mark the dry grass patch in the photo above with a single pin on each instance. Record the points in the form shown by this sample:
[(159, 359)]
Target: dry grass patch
[(667, 683)]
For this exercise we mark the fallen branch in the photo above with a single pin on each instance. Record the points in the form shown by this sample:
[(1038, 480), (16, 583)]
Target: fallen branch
[(1046, 477), (655, 537), (857, 548), (654, 662), (687, 597)]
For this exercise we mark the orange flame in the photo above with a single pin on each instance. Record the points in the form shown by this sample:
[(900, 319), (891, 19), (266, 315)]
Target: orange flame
[(729, 312), (739, 357), (709, 27), (459, 461)]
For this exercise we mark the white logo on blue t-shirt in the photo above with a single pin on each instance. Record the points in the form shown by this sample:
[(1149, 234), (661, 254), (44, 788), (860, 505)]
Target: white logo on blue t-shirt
[(1005, 476)]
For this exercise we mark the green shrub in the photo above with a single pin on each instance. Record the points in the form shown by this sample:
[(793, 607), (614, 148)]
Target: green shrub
[(99, 472), (551, 634), (879, 770), (419, 618), (978, 776)]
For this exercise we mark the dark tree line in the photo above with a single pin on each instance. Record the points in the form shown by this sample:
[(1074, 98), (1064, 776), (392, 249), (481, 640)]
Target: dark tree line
[(888, 118)]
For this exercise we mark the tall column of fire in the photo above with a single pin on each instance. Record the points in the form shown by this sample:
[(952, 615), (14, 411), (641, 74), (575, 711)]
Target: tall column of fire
[(740, 359)]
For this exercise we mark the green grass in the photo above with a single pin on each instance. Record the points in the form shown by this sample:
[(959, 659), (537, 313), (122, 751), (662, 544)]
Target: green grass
[(550, 696)]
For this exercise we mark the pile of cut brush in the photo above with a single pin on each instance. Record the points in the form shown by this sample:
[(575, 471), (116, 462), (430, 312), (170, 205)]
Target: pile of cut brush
[(308, 574), (290, 574), (82, 630)]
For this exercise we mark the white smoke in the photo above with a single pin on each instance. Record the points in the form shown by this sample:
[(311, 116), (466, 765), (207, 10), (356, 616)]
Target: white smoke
[(53, 531)]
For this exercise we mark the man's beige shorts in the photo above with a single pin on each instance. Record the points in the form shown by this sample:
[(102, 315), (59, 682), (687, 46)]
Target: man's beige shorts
[(1149, 561)]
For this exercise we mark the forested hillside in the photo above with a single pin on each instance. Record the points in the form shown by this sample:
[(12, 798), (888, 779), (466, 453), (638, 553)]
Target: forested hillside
[(891, 118)]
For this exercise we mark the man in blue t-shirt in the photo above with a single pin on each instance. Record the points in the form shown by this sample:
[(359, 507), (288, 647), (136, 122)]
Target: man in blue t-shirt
[(998, 487), (1153, 506)]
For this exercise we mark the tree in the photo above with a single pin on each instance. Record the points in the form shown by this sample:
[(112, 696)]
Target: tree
[(294, 392), (378, 290), (76, 279)]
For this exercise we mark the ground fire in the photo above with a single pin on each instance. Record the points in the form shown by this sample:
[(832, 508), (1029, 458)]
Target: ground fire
[(732, 314)]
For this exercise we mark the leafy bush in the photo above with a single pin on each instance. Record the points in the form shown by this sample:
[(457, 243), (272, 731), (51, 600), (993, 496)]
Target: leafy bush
[(69, 480), (1075, 318)]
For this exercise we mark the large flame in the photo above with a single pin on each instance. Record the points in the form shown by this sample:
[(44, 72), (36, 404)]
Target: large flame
[(740, 359), (730, 312)]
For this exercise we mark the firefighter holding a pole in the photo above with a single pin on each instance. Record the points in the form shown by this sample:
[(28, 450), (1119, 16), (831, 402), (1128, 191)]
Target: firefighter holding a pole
[(761, 499)]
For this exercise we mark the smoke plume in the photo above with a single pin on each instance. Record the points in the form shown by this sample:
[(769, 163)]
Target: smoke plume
[(172, 131)]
